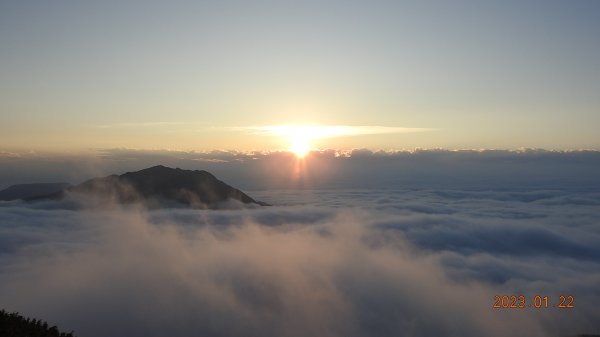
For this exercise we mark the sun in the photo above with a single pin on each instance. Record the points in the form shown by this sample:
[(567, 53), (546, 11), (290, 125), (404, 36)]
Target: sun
[(300, 146), (299, 137)]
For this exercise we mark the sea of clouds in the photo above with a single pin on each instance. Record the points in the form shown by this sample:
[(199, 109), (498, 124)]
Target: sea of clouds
[(343, 262), (358, 243)]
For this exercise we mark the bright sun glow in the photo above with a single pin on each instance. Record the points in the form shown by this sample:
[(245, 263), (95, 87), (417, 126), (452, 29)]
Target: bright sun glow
[(300, 146), (299, 137)]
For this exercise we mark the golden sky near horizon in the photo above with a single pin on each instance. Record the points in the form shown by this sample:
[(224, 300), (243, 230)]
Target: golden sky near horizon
[(203, 76)]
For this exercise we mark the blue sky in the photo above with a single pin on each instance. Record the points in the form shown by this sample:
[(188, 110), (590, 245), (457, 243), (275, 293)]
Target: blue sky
[(189, 75)]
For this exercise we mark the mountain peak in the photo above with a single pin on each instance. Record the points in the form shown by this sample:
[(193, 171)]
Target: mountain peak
[(162, 186)]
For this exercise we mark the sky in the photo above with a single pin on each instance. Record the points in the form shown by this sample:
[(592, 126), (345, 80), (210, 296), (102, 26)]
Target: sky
[(206, 75)]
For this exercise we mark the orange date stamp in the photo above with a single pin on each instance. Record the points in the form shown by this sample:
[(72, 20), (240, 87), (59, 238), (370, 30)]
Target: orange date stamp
[(535, 302)]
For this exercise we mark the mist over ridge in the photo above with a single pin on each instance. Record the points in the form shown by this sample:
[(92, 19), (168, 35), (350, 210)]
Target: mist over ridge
[(154, 187)]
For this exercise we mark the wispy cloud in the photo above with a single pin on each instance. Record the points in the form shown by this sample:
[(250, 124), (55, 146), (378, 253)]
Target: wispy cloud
[(326, 131), (312, 131), (129, 125)]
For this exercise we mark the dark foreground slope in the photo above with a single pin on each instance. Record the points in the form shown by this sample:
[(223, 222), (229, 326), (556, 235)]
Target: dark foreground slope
[(159, 186), (15, 325)]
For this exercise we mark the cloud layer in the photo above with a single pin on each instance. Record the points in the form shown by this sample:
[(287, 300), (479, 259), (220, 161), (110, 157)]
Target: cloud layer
[(489, 169), (407, 262)]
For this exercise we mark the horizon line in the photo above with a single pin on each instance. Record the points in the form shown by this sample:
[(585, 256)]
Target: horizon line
[(23, 153)]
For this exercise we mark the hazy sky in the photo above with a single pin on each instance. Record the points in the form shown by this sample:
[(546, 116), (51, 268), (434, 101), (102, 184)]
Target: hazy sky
[(199, 75)]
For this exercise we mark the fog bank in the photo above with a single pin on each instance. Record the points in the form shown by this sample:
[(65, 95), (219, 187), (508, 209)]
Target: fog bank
[(385, 267)]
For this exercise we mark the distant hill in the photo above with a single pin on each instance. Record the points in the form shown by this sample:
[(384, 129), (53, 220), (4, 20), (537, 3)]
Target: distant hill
[(158, 186), (25, 191)]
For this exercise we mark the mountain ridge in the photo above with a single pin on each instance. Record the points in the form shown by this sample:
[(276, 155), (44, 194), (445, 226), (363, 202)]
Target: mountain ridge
[(157, 187), (24, 191)]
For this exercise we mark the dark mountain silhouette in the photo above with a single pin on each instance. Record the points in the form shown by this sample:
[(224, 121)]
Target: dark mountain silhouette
[(25, 191), (158, 186)]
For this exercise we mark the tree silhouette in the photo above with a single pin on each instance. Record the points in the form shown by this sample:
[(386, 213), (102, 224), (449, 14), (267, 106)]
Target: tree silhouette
[(15, 325)]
